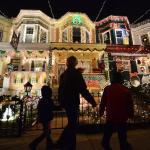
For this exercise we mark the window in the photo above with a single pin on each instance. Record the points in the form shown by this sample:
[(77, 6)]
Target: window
[(76, 35), (119, 36), (34, 79), (122, 26), (119, 40), (1, 35), (29, 34), (107, 38), (29, 30), (43, 36), (119, 33), (39, 66), (18, 79)]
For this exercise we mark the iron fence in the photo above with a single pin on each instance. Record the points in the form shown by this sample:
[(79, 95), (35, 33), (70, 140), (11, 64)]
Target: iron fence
[(18, 115)]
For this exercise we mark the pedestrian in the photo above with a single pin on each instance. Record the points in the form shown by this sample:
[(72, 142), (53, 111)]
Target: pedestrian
[(118, 104), (45, 116), (71, 85)]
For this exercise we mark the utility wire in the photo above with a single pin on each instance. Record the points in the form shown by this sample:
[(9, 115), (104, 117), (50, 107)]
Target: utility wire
[(100, 10), (141, 16), (3, 14), (50, 8)]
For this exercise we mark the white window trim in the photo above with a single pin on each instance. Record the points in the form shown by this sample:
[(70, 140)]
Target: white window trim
[(65, 29), (116, 35), (33, 35), (109, 36), (86, 30)]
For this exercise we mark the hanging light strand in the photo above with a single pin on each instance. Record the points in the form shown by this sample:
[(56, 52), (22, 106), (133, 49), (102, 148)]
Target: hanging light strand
[(3, 14), (141, 16), (100, 10), (51, 10)]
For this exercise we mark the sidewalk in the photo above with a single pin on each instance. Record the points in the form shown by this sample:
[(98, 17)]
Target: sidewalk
[(139, 138)]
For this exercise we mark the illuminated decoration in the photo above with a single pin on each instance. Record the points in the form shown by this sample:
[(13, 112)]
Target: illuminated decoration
[(45, 43), (76, 20), (135, 81), (2, 52), (114, 30), (122, 36), (29, 52), (10, 67), (145, 39), (41, 51), (49, 67), (78, 47), (94, 81), (8, 115), (114, 19), (135, 49), (15, 62)]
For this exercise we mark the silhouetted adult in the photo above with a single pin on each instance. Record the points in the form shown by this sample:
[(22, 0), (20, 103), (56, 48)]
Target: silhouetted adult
[(117, 102), (71, 85), (45, 115)]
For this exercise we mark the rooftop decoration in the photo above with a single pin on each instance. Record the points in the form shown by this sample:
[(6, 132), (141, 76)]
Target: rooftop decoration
[(76, 20)]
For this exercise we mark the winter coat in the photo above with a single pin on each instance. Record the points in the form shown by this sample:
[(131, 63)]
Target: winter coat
[(45, 110), (71, 85), (118, 103)]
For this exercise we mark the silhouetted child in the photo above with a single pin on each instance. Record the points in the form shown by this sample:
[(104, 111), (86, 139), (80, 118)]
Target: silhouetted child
[(45, 115)]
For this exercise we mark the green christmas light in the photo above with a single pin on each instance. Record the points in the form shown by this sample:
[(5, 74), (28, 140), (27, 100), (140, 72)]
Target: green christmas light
[(76, 20)]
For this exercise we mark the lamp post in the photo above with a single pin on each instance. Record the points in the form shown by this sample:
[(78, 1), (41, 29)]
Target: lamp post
[(28, 87)]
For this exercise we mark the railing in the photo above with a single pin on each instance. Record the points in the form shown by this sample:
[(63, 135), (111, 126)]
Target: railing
[(90, 116), (17, 116)]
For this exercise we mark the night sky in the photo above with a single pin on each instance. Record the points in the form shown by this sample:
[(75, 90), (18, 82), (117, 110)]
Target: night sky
[(133, 9)]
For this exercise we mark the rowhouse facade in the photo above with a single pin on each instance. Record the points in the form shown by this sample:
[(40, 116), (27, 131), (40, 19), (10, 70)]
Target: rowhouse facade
[(34, 48)]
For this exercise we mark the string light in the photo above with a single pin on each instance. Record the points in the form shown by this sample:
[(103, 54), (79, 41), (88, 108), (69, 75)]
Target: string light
[(49, 67)]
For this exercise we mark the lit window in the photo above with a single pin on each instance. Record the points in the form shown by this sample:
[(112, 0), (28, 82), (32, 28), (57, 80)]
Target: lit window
[(119, 33), (33, 79), (119, 36), (76, 35), (43, 36), (18, 79), (29, 35), (29, 30), (107, 38)]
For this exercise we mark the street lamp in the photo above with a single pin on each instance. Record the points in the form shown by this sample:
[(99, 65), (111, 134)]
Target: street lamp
[(28, 87)]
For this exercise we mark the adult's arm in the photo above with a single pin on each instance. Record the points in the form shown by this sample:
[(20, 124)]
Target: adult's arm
[(102, 105)]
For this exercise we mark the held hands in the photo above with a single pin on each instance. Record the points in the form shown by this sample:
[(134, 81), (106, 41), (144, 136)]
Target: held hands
[(94, 105), (101, 113)]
